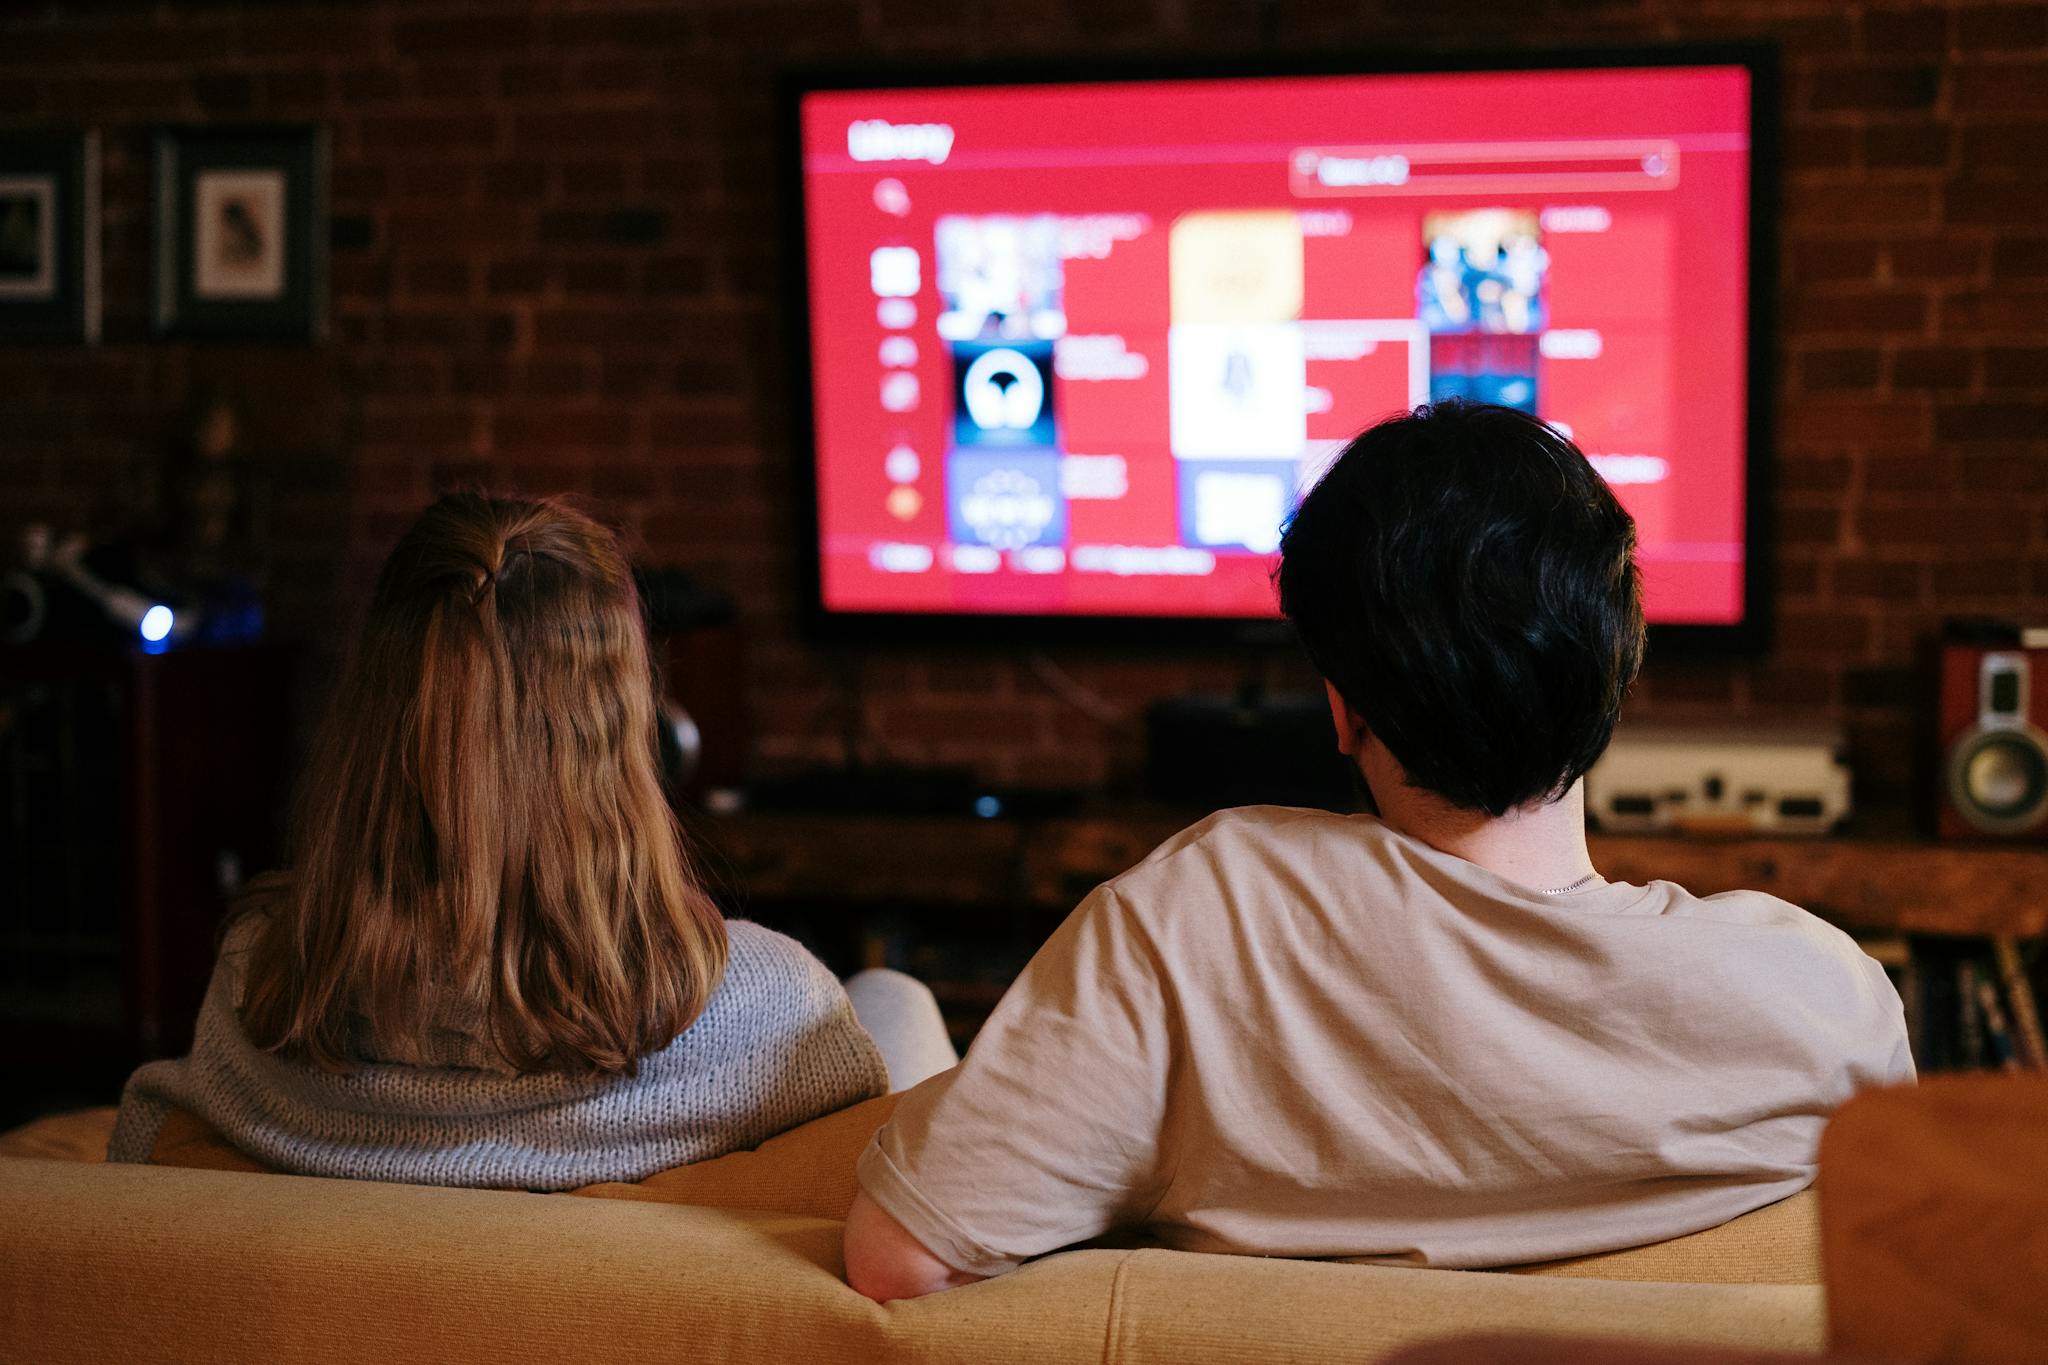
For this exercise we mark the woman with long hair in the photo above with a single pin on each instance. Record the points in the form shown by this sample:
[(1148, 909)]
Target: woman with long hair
[(488, 962)]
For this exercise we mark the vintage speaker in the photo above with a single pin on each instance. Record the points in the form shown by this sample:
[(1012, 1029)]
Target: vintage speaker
[(1992, 733)]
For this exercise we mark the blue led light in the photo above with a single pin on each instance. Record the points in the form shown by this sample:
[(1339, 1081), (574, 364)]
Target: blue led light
[(156, 624), (987, 807)]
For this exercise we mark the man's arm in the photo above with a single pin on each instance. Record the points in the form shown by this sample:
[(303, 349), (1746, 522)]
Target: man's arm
[(885, 1262), (1080, 1046)]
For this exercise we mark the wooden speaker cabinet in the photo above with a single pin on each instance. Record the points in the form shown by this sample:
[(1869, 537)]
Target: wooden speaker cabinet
[(136, 793)]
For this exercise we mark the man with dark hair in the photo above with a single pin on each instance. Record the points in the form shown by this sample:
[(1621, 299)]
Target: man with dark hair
[(1434, 1034)]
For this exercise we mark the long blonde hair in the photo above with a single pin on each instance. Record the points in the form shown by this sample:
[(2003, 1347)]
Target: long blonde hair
[(482, 824)]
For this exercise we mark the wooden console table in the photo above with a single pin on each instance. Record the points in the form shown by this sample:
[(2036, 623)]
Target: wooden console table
[(1869, 883)]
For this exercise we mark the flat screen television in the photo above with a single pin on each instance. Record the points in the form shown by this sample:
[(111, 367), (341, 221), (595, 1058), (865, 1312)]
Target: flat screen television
[(1070, 346)]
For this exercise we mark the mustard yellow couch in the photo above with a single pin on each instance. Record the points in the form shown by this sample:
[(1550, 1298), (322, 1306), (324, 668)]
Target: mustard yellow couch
[(738, 1260)]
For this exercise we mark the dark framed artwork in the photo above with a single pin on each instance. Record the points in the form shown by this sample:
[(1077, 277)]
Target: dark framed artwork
[(241, 240), (49, 237)]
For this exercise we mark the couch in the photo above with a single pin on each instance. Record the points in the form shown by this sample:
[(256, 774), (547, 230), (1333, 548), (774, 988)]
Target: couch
[(204, 1256)]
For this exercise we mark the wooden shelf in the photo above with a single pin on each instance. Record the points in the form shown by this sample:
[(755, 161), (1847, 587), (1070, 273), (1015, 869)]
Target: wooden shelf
[(1866, 883)]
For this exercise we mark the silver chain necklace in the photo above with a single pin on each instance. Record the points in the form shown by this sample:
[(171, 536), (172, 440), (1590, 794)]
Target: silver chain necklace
[(1590, 876)]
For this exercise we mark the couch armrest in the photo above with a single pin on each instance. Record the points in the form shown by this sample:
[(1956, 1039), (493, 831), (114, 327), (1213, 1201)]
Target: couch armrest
[(1934, 1220)]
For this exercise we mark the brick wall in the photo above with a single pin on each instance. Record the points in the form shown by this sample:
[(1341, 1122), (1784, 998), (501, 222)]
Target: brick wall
[(554, 271)]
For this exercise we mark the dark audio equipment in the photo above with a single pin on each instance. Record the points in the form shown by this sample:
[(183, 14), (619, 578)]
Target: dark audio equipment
[(1992, 733), (1251, 749)]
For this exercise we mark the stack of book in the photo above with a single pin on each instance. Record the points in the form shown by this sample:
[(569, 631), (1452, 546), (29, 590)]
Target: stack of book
[(1971, 1004)]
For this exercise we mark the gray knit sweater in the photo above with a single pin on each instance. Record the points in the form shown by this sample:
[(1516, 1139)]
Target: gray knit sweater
[(777, 1045)]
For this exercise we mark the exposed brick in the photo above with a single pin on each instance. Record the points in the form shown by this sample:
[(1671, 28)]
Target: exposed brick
[(2016, 367), (1992, 421), (1858, 314), (590, 128), (2003, 144), (561, 427), (1809, 525), (1917, 32), (1834, 206), (1844, 369), (1857, 424), (371, 83), (1799, 581), (2019, 257), (427, 135), (296, 90), (432, 182), (1981, 578), (1932, 367), (662, 27), (1883, 687), (445, 277), (465, 34), (523, 275), (433, 423), (2002, 27), (1879, 580), (2016, 309), (1828, 261), (2023, 472), (597, 275), (1793, 687), (583, 180), (450, 82), (1989, 524), (1914, 86), (1999, 87), (1995, 203), (531, 81), (1819, 148), (678, 275), (1800, 473), (617, 75), (572, 291), (1934, 258), (1906, 146), (1689, 685), (521, 181), (641, 328), (1916, 474), (268, 33)]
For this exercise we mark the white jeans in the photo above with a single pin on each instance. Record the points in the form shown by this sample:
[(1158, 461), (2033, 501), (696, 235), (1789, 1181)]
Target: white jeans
[(899, 1013)]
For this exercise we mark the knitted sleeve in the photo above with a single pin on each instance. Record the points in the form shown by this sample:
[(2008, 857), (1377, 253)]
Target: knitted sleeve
[(791, 1047)]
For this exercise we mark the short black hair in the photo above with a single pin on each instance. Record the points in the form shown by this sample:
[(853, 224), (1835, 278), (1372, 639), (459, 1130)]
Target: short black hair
[(1466, 580)]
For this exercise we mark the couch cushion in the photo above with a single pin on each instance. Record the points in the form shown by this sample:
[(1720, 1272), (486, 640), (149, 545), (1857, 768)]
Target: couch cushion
[(1776, 1244), (80, 1135), (127, 1262), (119, 1262), (1179, 1306), (809, 1170)]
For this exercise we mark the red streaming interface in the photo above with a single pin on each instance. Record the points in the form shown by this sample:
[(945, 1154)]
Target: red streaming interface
[(1077, 350)]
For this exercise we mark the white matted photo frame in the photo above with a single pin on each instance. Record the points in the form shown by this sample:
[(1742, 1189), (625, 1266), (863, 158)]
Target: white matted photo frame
[(49, 237), (241, 233)]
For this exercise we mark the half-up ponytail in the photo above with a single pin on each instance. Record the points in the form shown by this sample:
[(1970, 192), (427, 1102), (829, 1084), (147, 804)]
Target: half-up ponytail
[(482, 828)]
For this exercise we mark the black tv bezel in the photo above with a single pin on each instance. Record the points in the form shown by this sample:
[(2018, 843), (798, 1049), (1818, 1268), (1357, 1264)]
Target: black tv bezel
[(1749, 637)]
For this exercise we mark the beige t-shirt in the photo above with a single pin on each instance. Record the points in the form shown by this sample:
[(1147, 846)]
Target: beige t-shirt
[(1293, 1033)]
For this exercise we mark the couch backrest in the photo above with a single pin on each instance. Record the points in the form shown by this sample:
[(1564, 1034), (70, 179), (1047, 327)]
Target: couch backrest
[(105, 1262)]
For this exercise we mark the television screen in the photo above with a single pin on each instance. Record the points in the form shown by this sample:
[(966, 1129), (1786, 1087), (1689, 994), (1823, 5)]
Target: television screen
[(1075, 348)]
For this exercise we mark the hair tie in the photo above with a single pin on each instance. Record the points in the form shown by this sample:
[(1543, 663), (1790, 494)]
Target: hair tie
[(483, 588)]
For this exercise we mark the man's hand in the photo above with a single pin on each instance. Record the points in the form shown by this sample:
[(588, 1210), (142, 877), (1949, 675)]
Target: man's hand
[(885, 1262)]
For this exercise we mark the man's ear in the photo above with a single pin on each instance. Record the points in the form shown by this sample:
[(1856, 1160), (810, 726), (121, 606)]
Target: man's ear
[(1350, 726)]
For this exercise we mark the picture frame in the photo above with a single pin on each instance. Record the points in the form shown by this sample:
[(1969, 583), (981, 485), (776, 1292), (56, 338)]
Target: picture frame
[(49, 238), (241, 233)]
